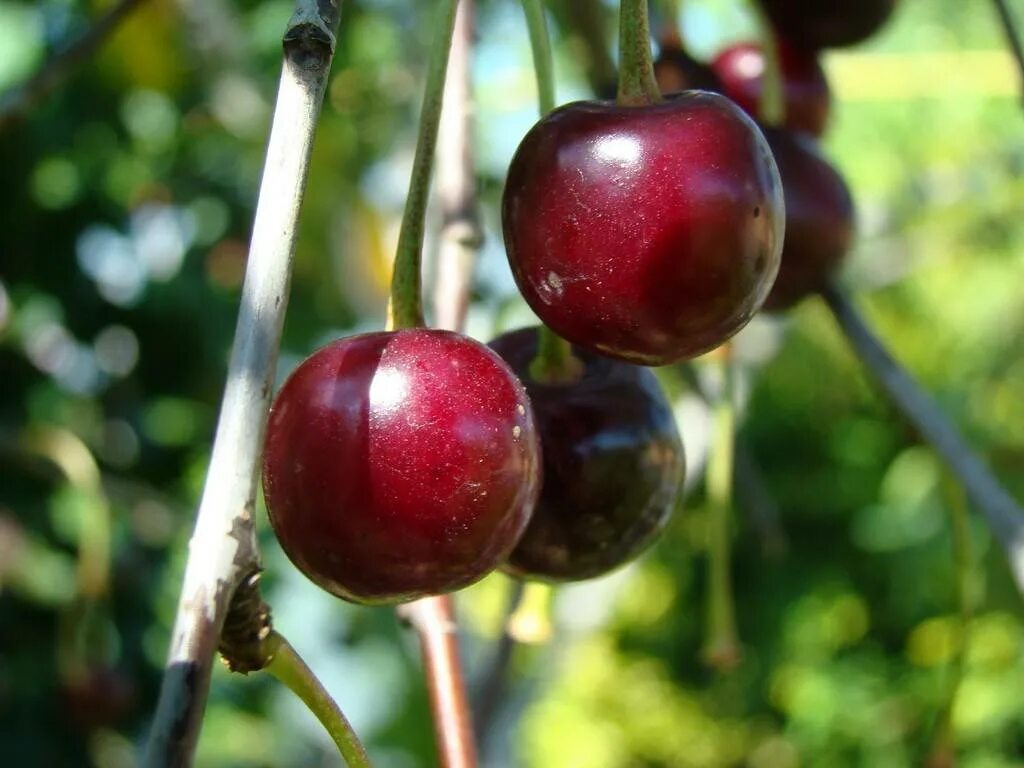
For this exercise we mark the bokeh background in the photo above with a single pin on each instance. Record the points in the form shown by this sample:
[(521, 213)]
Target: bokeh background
[(870, 637)]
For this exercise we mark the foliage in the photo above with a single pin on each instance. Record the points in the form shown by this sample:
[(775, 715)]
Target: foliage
[(127, 204)]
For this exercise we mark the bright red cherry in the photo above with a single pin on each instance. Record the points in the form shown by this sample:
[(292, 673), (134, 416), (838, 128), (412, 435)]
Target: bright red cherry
[(805, 90), (400, 464), (613, 465), (648, 233), (819, 219), (815, 24)]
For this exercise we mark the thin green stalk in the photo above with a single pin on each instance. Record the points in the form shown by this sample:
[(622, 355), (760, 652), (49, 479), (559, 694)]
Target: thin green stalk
[(554, 361), (406, 290), (723, 648), (543, 62), (965, 593), (772, 109), (637, 86), (288, 667)]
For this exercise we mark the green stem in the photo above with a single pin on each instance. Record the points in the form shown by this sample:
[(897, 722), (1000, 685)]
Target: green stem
[(772, 109), (543, 63), (554, 361), (406, 290), (723, 648), (637, 86), (287, 666), (965, 595)]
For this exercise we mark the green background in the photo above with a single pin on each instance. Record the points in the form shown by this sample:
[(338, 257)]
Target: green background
[(126, 202)]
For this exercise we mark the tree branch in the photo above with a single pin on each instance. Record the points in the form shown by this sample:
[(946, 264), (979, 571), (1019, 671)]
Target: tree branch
[(1012, 38), (433, 618), (16, 102), (461, 232), (223, 547), (1004, 515), (494, 680)]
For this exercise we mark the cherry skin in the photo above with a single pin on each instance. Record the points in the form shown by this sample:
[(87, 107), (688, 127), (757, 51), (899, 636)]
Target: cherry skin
[(819, 219), (649, 234), (806, 96), (815, 24), (613, 465), (400, 464)]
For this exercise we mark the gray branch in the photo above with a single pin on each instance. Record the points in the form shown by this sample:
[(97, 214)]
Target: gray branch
[(15, 103), (1004, 515), (223, 546)]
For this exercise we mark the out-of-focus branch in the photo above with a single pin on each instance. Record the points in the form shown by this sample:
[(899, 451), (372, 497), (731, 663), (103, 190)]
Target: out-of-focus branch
[(494, 679), (461, 232), (15, 103), (751, 488), (433, 618), (223, 546), (1012, 38), (1004, 515), (585, 24)]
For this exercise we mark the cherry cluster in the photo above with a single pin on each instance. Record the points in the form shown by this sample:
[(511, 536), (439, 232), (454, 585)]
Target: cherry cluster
[(819, 209), (641, 231)]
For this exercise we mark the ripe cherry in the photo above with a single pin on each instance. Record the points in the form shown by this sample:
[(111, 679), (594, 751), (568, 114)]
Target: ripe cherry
[(99, 697), (819, 218), (805, 90), (646, 233), (613, 465), (814, 24), (400, 464)]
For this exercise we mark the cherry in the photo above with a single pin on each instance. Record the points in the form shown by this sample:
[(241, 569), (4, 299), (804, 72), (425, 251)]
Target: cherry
[(814, 24), (805, 90), (646, 233), (99, 697), (613, 464), (819, 218), (400, 464), (676, 70)]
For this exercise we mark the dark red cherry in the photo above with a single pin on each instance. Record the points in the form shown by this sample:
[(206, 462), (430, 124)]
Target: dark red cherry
[(650, 233), (815, 24), (400, 464), (613, 465), (99, 697), (676, 70), (819, 219), (805, 90)]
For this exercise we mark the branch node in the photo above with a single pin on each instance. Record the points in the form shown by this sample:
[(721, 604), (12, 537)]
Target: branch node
[(246, 627), (309, 40)]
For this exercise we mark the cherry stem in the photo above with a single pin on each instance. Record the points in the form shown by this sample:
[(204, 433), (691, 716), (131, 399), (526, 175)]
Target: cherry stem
[(722, 650), (288, 667), (406, 283), (965, 595), (554, 361), (772, 109), (637, 86), (433, 618)]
